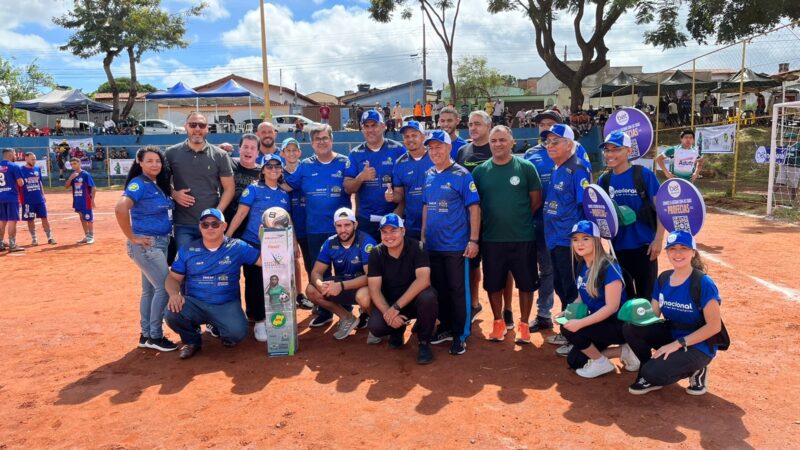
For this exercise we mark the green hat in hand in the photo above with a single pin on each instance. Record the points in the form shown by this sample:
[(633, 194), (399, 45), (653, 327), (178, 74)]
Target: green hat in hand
[(639, 312), (625, 214), (574, 311)]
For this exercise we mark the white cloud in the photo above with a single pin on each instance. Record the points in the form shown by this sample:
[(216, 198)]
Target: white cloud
[(214, 10)]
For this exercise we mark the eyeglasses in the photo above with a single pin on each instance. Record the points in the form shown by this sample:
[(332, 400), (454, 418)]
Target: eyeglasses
[(200, 125), (551, 142), (273, 166), (213, 224), (322, 139)]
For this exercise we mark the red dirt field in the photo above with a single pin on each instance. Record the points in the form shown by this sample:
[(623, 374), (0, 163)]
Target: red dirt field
[(72, 376)]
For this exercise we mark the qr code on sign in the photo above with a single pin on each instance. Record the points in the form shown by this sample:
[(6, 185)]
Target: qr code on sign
[(602, 225), (681, 223)]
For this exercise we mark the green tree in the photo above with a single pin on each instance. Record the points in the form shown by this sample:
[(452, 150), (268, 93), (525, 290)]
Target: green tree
[(475, 79), (436, 12), (124, 84), (111, 27), (723, 20), (21, 83)]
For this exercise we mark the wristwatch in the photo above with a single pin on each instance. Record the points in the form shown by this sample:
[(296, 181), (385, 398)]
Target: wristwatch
[(396, 306), (474, 241), (682, 341)]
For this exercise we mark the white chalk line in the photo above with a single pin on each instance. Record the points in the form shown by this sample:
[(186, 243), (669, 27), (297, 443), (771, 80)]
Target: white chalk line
[(789, 293)]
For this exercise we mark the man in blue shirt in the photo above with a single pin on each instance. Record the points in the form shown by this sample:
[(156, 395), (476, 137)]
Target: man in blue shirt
[(370, 172), (348, 252), (208, 268), (11, 182), (451, 222), (408, 179), (448, 121), (34, 205)]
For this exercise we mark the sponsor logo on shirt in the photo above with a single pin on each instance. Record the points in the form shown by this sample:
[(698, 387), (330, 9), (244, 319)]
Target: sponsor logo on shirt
[(662, 303), (514, 180), (368, 248), (387, 162), (133, 187), (559, 186), (225, 261)]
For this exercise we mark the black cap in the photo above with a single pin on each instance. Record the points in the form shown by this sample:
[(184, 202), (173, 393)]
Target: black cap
[(548, 114)]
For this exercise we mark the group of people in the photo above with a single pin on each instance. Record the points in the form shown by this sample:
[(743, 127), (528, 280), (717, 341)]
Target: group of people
[(433, 215)]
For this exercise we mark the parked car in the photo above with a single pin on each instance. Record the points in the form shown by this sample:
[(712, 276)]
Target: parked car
[(285, 123), (159, 126)]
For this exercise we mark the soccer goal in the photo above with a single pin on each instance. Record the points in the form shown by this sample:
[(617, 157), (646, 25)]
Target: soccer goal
[(784, 157)]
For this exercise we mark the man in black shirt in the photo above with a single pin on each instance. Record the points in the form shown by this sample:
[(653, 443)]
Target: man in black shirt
[(399, 285), (245, 172)]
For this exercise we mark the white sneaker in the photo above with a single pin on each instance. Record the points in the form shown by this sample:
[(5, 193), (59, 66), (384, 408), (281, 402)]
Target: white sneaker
[(260, 331), (83, 241), (90, 240), (564, 350), (557, 339), (629, 359), (596, 367)]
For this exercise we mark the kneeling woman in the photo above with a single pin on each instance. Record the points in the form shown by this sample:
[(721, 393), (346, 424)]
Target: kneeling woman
[(692, 318), (601, 289), (257, 198)]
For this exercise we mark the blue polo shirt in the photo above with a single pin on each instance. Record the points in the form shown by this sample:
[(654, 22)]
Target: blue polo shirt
[(82, 191), (32, 191), (613, 273), (298, 213), (676, 305), (348, 263), (259, 198), (410, 173), (622, 190), (151, 214), (213, 277), (323, 186), (563, 202), (456, 145), (9, 174), (371, 199), (447, 195)]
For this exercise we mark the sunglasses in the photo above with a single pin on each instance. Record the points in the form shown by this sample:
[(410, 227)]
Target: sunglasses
[(551, 142), (212, 224), (200, 125), (273, 166)]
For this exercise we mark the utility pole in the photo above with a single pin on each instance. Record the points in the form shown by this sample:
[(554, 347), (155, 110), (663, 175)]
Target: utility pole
[(565, 53), (424, 54), (267, 111)]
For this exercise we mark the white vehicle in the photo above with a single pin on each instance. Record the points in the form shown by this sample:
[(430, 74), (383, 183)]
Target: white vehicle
[(159, 126), (285, 123)]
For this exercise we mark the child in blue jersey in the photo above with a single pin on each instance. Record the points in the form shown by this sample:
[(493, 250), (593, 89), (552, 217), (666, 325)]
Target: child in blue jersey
[(256, 199), (34, 205), (83, 192), (681, 342), (144, 214), (601, 288), (11, 182)]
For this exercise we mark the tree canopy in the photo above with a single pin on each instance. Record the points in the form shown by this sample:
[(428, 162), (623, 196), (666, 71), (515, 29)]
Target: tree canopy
[(475, 79), (124, 84), (21, 83)]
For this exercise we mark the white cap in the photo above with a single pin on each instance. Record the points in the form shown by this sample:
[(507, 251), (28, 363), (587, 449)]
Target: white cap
[(344, 213)]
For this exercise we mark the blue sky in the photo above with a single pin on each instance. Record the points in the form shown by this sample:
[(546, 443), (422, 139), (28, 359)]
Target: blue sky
[(321, 45)]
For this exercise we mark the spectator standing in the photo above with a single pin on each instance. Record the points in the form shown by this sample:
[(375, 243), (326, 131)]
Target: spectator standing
[(83, 193), (325, 114), (34, 205), (13, 182)]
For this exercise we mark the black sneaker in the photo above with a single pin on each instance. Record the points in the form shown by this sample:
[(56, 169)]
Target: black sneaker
[(303, 302), (442, 336), (396, 339), (163, 344), (697, 382), (323, 318), (363, 321), (475, 311), (540, 324), (143, 341), (458, 347), (424, 355), (212, 330), (642, 387), (508, 318)]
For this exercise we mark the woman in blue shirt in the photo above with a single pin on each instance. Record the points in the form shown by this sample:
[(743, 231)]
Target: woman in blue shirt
[(601, 288), (255, 199), (681, 342), (144, 214)]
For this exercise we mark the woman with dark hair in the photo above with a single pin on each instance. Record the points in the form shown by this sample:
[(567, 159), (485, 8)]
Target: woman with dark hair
[(144, 214)]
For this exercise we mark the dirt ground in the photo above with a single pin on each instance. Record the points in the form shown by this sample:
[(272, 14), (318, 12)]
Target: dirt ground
[(73, 377)]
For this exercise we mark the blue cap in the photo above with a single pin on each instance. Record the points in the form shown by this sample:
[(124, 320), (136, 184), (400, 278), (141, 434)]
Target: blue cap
[(289, 141), (586, 227), (371, 114), (213, 212), (560, 130), (438, 135), (392, 220), (411, 125), (617, 139), (272, 157), (680, 237)]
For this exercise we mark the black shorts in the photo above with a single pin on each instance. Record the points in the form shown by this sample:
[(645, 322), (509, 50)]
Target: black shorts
[(475, 263), (500, 258), (345, 298)]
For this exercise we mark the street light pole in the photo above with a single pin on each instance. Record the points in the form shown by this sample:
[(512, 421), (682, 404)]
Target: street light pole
[(267, 111)]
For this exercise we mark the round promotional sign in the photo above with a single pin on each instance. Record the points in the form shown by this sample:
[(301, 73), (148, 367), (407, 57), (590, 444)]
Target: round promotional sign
[(635, 124), (680, 206), (599, 208)]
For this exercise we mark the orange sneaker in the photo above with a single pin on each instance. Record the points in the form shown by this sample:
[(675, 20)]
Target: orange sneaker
[(523, 334), (498, 330)]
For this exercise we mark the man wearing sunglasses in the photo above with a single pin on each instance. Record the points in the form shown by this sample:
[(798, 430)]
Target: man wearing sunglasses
[(201, 178), (208, 269)]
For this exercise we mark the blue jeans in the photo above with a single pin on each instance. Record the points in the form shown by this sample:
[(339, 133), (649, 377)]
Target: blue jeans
[(228, 318), (544, 303), (152, 261), (185, 234)]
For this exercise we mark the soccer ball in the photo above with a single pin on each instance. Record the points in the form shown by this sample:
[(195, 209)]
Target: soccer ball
[(276, 218), (284, 297)]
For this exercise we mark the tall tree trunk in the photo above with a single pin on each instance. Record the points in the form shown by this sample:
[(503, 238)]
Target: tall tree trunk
[(450, 78), (133, 91), (109, 58), (576, 95)]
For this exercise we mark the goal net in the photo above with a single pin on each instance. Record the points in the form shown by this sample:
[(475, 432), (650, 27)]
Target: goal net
[(784, 157)]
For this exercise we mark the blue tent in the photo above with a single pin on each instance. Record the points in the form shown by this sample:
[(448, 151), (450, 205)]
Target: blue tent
[(62, 101), (180, 90), (231, 89)]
